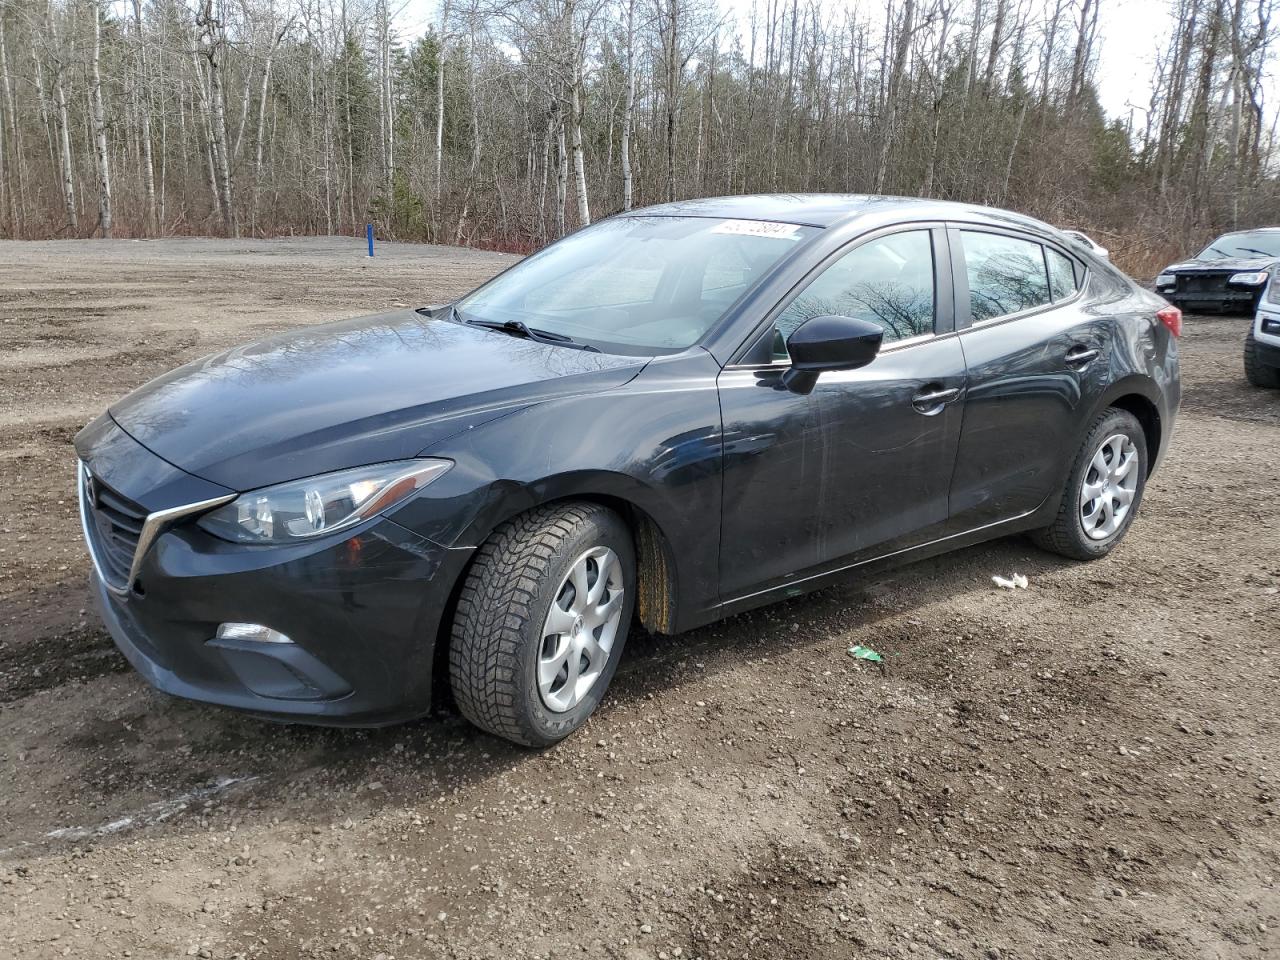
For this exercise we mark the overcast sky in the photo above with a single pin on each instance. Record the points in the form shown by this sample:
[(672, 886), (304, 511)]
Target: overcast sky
[(1131, 30)]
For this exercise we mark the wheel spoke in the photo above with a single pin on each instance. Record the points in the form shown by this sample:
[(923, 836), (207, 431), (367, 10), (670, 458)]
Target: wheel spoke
[(578, 577), (1091, 491), (606, 611), (549, 667), (574, 663), (1091, 517), (1125, 466), (595, 653), (1108, 515), (1099, 462), (1124, 495), (604, 566), (559, 620)]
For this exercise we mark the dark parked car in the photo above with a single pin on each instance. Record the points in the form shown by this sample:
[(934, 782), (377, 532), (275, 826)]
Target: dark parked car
[(681, 413), (1227, 276)]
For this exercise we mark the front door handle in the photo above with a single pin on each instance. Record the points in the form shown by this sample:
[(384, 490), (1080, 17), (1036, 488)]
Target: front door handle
[(1079, 355), (933, 398)]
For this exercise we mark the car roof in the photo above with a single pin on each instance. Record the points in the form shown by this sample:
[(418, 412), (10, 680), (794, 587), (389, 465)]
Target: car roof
[(829, 209), (1236, 233)]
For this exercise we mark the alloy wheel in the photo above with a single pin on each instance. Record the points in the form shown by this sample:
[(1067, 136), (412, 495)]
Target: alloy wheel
[(580, 628), (1109, 486)]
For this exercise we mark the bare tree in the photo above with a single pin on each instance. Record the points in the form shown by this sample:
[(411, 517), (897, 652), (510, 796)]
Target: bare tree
[(100, 125)]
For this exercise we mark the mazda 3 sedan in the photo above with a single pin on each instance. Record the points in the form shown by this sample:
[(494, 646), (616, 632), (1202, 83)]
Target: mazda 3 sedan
[(668, 417)]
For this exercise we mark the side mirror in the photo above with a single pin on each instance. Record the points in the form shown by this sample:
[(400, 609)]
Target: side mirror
[(829, 343)]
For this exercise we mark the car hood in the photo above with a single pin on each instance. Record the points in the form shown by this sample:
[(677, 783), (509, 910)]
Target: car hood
[(1229, 263), (346, 394)]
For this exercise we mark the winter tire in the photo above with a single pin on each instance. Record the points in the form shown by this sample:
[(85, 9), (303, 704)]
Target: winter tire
[(541, 622)]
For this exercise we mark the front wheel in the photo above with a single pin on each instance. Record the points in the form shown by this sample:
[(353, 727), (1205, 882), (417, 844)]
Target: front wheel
[(541, 622), (1103, 489)]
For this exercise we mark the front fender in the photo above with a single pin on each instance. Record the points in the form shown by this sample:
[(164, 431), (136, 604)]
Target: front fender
[(653, 447)]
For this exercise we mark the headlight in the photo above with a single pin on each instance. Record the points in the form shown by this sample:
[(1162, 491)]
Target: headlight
[(302, 509), (1166, 280), (1250, 279)]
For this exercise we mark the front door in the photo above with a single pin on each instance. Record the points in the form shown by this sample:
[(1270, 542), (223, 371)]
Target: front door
[(862, 465)]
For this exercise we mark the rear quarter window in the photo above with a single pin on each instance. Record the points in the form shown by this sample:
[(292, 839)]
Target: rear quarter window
[(1062, 274)]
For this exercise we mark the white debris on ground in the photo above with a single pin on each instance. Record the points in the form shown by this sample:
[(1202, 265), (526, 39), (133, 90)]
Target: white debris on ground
[(1016, 582)]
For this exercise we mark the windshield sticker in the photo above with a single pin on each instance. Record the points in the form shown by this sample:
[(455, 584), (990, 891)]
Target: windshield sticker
[(757, 228)]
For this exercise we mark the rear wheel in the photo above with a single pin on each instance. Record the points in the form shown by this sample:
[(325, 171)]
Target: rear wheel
[(1103, 490), (541, 622), (1256, 372)]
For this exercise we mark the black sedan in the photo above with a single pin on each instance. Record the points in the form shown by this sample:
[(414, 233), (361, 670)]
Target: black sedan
[(673, 415), (1227, 276)]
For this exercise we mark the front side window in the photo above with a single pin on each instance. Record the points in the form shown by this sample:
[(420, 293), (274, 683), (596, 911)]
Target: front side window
[(641, 284), (1006, 275), (888, 281)]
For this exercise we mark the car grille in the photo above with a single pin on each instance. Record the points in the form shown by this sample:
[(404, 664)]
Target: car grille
[(1202, 282), (112, 525)]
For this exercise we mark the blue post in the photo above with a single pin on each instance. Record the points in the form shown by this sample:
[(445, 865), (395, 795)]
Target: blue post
[(368, 232)]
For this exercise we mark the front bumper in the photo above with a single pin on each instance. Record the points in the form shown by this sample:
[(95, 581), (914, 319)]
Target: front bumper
[(363, 615), (1235, 300), (1266, 339)]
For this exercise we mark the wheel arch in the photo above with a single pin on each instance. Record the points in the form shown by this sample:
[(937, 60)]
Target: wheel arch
[(657, 569), (1137, 395)]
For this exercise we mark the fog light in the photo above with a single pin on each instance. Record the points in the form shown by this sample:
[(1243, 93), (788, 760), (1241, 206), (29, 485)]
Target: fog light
[(1270, 325), (250, 631)]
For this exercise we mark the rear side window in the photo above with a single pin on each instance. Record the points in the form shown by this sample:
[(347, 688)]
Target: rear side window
[(1062, 274), (1006, 275), (888, 281)]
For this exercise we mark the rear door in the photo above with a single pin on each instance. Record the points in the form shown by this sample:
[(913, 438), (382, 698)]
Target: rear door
[(862, 465), (1037, 359)]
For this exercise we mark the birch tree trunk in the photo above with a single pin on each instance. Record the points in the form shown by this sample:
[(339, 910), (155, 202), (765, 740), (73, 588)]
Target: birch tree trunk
[(13, 185), (628, 113), (100, 126), (212, 41), (260, 136), (579, 163), (206, 130), (144, 119), (64, 133), (442, 57)]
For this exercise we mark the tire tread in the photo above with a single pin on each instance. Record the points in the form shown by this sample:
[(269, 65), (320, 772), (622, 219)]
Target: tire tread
[(494, 609)]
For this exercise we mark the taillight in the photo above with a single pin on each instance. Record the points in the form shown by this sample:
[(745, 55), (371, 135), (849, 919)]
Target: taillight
[(1171, 317)]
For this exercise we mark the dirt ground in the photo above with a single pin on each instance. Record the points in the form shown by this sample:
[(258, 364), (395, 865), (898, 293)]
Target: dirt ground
[(1087, 768)]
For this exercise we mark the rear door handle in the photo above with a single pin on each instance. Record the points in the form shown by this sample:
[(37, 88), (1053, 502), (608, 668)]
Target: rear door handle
[(933, 398), (1078, 356)]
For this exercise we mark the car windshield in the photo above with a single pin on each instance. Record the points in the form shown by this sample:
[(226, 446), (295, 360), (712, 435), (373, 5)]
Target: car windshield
[(644, 284), (1254, 243)]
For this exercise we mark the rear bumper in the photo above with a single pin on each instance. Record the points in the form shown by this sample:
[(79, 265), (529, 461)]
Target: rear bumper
[(362, 613)]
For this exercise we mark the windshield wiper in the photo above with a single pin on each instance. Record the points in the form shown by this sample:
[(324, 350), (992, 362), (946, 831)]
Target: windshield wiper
[(518, 328), (1256, 250)]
